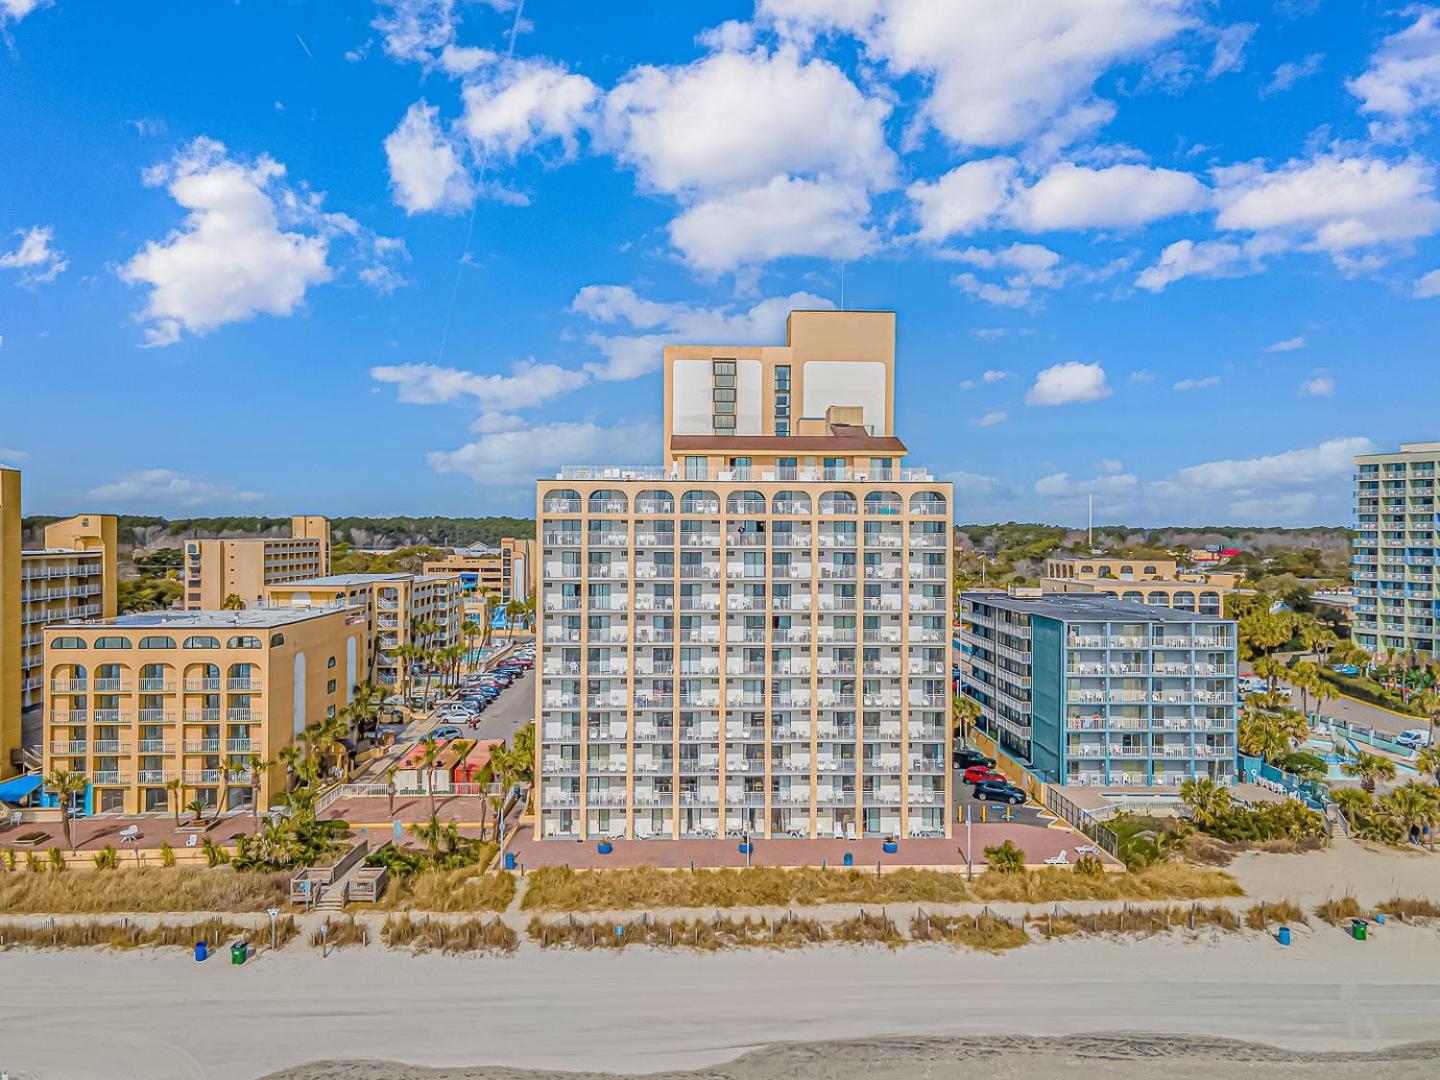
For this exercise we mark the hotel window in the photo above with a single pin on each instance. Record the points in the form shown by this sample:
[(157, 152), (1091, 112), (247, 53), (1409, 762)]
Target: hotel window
[(722, 381), (697, 468), (782, 399)]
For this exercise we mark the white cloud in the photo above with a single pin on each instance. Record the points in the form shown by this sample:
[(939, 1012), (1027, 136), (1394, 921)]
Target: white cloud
[(994, 376), (426, 169), (37, 261), (516, 458), (14, 457), (1328, 462), (416, 30), (1332, 204), (731, 35), (1075, 197), (527, 103), (165, 488), (1404, 74), (1205, 259), (1111, 465), (15, 10), (1141, 377), (1428, 285), (1291, 72), (991, 418), (249, 244), (1061, 486), (983, 194), (1230, 42), (787, 217), (717, 125), (998, 74), (1068, 383), (978, 486), (1288, 345), (630, 355), (1321, 385), (528, 384), (1025, 267), (1198, 384)]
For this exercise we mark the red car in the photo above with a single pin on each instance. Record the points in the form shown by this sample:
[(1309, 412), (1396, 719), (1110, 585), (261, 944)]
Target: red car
[(978, 774)]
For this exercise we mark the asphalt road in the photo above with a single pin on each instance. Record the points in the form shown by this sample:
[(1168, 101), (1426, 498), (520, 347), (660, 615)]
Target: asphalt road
[(512, 710), (1356, 712)]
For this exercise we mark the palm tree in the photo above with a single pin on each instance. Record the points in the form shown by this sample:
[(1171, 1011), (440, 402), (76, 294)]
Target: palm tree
[(1205, 799), (428, 757), (964, 713), (364, 707), (258, 768), (176, 789), (1428, 761), (1369, 768), (197, 806), (67, 786), (1323, 691), (232, 602), (1428, 702), (390, 788), (1412, 807), (1305, 677), (1262, 736), (1271, 670), (515, 609), (1356, 804)]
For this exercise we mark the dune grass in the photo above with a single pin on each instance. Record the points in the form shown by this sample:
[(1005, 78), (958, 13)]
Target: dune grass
[(1406, 908), (1142, 921), (987, 933), (342, 932), (142, 889), (465, 889), (467, 936), (1270, 913), (110, 935), (560, 889), (1339, 911)]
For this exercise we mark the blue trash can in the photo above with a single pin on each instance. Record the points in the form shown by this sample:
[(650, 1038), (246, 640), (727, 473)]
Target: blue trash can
[(604, 847), (509, 860), (1283, 935), (890, 847), (202, 950), (849, 859), (746, 847)]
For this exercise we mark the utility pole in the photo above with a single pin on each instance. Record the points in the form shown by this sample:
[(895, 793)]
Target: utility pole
[(1090, 526)]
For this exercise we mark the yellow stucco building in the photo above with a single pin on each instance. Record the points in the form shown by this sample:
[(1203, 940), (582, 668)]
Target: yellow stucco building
[(214, 570)]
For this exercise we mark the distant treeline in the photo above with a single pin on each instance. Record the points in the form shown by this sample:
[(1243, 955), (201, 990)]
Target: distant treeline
[(369, 532)]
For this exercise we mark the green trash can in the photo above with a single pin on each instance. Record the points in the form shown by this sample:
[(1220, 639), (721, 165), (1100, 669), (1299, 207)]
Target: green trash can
[(239, 952), (1357, 929)]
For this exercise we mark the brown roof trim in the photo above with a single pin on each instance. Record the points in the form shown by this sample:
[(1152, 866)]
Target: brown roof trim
[(798, 444)]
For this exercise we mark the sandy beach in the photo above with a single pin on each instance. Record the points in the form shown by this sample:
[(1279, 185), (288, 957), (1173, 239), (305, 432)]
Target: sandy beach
[(160, 1016)]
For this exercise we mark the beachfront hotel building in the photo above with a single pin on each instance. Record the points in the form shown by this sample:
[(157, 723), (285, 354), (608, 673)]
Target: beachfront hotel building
[(138, 701), (214, 570), (751, 638), (490, 577), (1089, 690), (1141, 581), (1395, 550), (72, 577), (393, 605)]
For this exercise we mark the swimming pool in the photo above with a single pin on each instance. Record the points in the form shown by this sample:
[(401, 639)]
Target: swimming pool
[(1325, 748)]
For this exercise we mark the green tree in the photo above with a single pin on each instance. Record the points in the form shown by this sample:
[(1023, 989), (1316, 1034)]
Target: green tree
[(1412, 807), (1205, 799), (1005, 858), (428, 757), (232, 602), (175, 789), (1428, 761), (1369, 769), (67, 786)]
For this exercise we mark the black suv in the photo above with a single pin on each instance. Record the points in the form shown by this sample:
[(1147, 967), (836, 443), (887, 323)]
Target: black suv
[(966, 757), (999, 791)]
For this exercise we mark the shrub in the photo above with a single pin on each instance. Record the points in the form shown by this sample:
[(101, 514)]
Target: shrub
[(466, 889), (340, 933), (215, 855), (143, 889), (167, 854), (1412, 907), (1268, 913), (107, 858), (1339, 911), (1089, 866), (57, 860), (987, 933), (1289, 819), (469, 935), (33, 863), (1005, 858)]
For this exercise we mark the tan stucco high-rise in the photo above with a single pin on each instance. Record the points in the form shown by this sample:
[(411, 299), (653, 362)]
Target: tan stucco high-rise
[(10, 629), (216, 570), (751, 638)]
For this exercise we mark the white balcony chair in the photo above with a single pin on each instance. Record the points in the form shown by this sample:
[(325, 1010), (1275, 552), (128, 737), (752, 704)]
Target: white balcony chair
[(130, 834), (1058, 860)]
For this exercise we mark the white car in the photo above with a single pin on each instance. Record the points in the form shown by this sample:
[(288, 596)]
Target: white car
[(1414, 739)]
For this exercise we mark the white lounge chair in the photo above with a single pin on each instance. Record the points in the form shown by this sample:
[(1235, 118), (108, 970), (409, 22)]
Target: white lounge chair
[(1058, 860), (1087, 849), (16, 817), (130, 834), (193, 840), (849, 830)]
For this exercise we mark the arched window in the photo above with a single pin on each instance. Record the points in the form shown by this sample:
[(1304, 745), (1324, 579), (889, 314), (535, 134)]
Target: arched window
[(883, 502), (1127, 571), (1184, 601), (1087, 571), (927, 502), (562, 501), (243, 641), (700, 502), (654, 501), (112, 643), (1158, 599), (1133, 597), (608, 501), (837, 502), (1151, 571), (790, 502), (745, 504), (157, 641), (202, 641), (67, 642)]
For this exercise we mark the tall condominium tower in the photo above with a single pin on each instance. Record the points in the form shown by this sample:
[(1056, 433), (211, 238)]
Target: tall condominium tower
[(751, 638), (1395, 550)]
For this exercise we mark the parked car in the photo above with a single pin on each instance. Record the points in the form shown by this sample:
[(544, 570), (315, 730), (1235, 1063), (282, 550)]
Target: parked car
[(446, 731), (980, 774), (999, 791), (966, 757), (1414, 739)]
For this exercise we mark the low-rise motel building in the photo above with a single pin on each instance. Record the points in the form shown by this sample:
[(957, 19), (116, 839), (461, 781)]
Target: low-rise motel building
[(1160, 582), (1088, 690), (73, 576), (490, 577), (213, 571), (399, 610), (752, 637), (137, 702)]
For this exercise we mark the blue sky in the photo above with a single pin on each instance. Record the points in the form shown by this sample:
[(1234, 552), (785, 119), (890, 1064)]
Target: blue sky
[(403, 257)]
